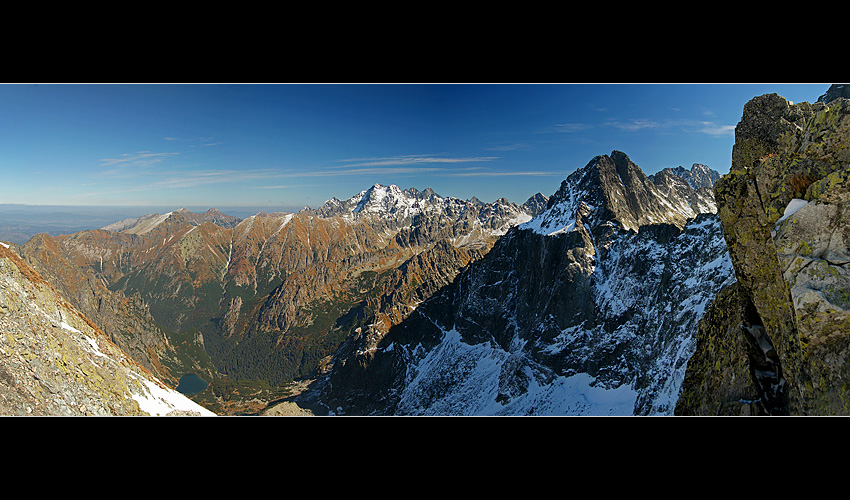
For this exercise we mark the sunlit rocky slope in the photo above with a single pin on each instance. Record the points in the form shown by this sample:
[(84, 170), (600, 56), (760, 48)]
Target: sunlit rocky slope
[(55, 361)]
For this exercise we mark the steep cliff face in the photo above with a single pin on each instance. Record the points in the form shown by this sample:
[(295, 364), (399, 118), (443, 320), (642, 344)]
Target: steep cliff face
[(785, 211), (589, 308), (56, 361)]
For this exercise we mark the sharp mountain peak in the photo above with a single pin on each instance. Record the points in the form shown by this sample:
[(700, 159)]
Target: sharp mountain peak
[(613, 190)]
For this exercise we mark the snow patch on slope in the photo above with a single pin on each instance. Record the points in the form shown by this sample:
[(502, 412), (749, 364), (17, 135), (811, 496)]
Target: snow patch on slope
[(793, 207), (650, 292), (456, 378), (157, 400)]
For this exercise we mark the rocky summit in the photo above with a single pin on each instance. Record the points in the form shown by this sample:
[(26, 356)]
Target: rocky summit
[(590, 307), (776, 343)]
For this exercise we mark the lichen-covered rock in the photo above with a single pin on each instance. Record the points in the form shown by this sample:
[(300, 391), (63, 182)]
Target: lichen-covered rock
[(718, 381), (785, 210)]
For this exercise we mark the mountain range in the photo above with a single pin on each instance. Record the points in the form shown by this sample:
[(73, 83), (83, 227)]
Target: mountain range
[(278, 297), (590, 307), (269, 296), (678, 293)]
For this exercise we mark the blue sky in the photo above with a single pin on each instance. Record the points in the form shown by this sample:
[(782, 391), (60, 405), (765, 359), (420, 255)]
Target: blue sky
[(285, 145)]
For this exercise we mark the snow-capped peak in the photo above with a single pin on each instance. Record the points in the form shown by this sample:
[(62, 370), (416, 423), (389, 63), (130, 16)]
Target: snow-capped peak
[(380, 198), (612, 189), (563, 208)]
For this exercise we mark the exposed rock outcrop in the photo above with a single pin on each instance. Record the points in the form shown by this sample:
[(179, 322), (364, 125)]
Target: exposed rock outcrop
[(785, 210)]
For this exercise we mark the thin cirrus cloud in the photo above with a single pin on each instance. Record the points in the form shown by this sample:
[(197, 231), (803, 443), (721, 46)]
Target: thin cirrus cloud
[(500, 174), (195, 178), (204, 141), (399, 165), (177, 179), (138, 159), (638, 124), (711, 128), (131, 165), (571, 127), (407, 160), (440, 166), (702, 127)]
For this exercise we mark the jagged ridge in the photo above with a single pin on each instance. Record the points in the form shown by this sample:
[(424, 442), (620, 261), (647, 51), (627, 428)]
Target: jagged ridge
[(597, 297)]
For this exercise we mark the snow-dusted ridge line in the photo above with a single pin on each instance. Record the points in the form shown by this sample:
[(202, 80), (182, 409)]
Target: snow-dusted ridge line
[(456, 378), (672, 199), (138, 225), (475, 370)]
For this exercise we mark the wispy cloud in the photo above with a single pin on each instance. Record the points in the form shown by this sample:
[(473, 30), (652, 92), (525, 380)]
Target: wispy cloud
[(491, 173), (643, 124), (195, 178), (635, 124), (515, 146), (138, 159), (204, 141), (393, 165), (711, 128), (691, 126), (571, 127), (410, 160)]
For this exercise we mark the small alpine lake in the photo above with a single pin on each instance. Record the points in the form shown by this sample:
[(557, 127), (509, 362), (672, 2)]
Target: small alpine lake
[(191, 384)]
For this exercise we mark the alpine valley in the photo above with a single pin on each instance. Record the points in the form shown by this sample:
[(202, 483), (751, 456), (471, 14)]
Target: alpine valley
[(251, 305), (376, 299), (681, 292)]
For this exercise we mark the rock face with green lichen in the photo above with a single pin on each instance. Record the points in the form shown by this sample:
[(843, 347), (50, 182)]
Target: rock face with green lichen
[(785, 211)]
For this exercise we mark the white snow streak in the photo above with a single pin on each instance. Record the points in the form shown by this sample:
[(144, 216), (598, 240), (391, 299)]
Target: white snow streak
[(793, 207), (66, 326), (158, 400), (467, 376)]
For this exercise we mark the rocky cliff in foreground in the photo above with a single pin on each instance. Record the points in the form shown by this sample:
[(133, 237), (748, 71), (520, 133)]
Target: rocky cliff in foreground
[(55, 361), (778, 341)]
